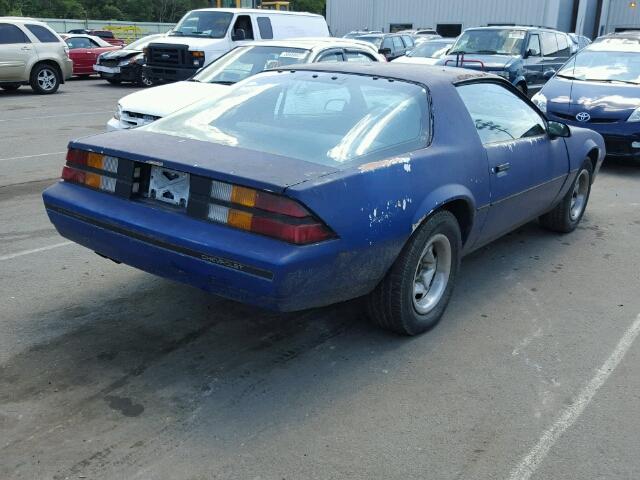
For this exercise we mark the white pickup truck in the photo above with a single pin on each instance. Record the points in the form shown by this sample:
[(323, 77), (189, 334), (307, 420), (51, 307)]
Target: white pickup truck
[(203, 35)]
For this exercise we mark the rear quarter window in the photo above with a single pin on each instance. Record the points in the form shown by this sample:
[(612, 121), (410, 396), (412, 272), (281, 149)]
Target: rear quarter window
[(43, 34)]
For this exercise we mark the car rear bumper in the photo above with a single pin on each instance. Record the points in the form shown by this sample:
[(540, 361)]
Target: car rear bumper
[(166, 74), (234, 264), (67, 68)]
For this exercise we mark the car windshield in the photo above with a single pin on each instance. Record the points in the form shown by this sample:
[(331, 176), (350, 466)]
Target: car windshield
[(326, 118), (603, 66), (429, 50), (376, 40), (490, 42), (244, 62), (203, 24), (141, 43)]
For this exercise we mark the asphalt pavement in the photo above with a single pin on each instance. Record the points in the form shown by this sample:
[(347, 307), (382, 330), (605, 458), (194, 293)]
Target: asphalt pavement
[(107, 372)]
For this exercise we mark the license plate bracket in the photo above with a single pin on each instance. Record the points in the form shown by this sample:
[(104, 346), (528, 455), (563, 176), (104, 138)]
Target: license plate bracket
[(169, 186)]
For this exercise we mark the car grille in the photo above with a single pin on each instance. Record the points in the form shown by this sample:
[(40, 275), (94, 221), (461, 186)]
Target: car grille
[(167, 55), (111, 62), (135, 119), (591, 120), (618, 145)]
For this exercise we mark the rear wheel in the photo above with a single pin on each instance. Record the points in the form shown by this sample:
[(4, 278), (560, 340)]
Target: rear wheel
[(10, 87), (44, 79), (566, 216), (415, 292)]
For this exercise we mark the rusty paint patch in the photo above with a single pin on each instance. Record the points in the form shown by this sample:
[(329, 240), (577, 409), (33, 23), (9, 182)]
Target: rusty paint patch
[(368, 167)]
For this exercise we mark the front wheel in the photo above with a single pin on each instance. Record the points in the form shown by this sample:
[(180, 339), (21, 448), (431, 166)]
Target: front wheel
[(414, 294), (144, 80), (566, 216)]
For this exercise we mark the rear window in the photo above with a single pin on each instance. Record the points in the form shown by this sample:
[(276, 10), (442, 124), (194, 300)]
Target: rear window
[(43, 33), (325, 118), (11, 34)]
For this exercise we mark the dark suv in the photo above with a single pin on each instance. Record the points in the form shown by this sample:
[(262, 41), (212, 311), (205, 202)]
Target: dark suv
[(526, 56), (391, 45)]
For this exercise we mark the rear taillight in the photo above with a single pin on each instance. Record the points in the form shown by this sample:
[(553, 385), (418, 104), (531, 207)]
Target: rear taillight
[(265, 213), (91, 169)]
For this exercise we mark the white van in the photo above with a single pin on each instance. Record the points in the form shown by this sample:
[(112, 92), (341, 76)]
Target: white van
[(203, 35)]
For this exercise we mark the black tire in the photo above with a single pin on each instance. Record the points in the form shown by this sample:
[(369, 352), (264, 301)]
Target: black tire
[(564, 218), (143, 80), (114, 81), (392, 305), (44, 79), (10, 87)]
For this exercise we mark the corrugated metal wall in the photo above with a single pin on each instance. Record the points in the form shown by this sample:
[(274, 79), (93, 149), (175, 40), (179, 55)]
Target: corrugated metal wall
[(346, 15), (621, 15)]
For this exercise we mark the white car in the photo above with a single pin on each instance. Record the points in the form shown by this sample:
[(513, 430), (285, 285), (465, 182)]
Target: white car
[(146, 106), (427, 53)]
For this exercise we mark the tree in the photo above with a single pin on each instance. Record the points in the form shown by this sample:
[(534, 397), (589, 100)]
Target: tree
[(313, 6)]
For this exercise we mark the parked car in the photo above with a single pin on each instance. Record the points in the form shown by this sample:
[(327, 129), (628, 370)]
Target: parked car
[(358, 33), (204, 35), (106, 35), (579, 42), (599, 88), (391, 45), (84, 50), (125, 65), (526, 56), (427, 53), (626, 37), (309, 186), (33, 54), (144, 107)]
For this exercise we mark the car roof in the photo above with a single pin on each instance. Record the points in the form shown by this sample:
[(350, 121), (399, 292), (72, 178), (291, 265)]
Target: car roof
[(313, 43), (257, 11), (514, 27), (82, 35), (417, 73), (23, 20), (615, 45)]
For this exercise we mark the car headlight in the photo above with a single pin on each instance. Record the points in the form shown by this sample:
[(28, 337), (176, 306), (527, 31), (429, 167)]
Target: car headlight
[(635, 116), (123, 63), (118, 113), (541, 102)]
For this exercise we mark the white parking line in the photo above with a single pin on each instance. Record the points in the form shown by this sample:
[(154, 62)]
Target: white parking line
[(530, 463), (99, 112), (33, 250), (31, 156)]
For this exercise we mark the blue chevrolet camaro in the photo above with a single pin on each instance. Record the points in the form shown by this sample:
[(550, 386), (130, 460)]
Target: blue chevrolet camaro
[(302, 188), (599, 88)]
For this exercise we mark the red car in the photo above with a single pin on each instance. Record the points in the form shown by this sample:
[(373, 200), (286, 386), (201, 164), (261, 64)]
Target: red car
[(106, 35), (84, 51)]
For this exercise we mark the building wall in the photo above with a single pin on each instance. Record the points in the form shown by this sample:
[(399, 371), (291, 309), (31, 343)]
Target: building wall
[(346, 15), (620, 15)]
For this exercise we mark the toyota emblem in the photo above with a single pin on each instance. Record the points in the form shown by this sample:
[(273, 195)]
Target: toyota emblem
[(583, 117)]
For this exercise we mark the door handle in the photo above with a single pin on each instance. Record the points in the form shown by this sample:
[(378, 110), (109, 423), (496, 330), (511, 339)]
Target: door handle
[(503, 167), (26, 48)]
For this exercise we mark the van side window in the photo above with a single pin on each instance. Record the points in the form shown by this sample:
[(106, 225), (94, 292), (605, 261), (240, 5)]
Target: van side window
[(549, 44), (242, 28), (264, 25), (11, 34)]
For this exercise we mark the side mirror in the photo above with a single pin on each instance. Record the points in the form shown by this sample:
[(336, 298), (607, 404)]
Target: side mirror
[(239, 35), (385, 51), (548, 74), (557, 129)]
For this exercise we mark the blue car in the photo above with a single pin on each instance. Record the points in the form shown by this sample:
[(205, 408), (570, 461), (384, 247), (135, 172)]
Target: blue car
[(301, 188), (599, 88)]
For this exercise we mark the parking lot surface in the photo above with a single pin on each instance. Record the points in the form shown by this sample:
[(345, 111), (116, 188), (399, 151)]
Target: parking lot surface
[(109, 372)]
